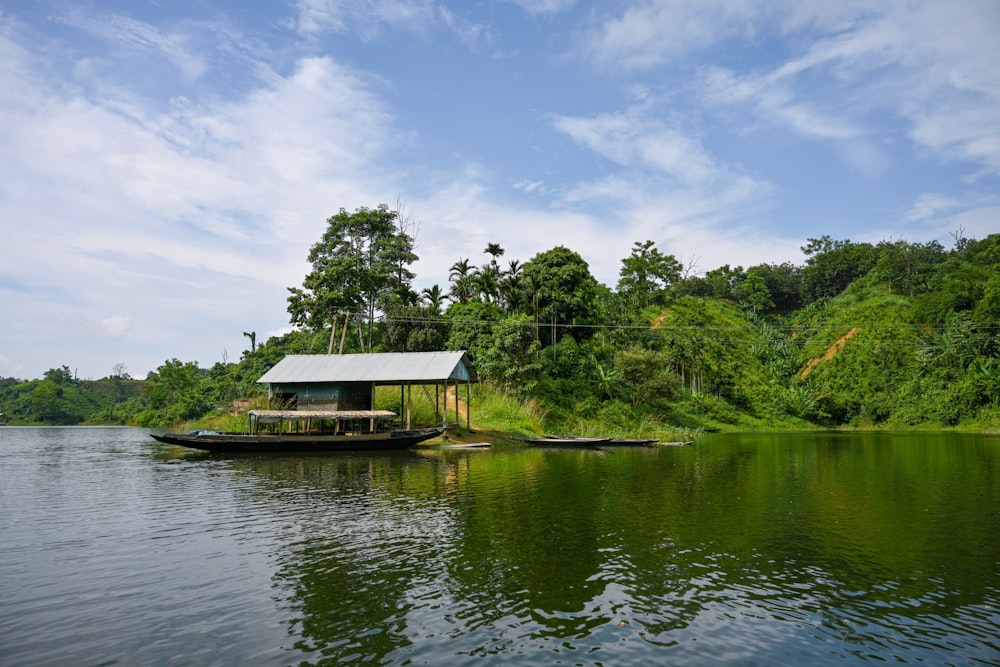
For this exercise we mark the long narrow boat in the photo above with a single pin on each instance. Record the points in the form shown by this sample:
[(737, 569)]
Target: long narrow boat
[(605, 442), (564, 441), (307, 431), (298, 442), (549, 440)]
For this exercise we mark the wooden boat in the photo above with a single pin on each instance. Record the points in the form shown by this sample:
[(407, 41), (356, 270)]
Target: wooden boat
[(298, 442), (619, 442), (563, 441), (580, 441), (608, 442)]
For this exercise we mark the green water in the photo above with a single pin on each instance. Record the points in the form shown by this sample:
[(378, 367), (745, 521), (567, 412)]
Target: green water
[(743, 549)]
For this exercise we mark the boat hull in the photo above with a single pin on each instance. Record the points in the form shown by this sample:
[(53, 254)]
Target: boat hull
[(577, 441), (230, 442)]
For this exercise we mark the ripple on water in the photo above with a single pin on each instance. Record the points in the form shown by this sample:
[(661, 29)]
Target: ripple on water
[(113, 551)]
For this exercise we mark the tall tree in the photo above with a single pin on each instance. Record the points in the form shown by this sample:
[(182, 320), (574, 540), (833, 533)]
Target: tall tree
[(494, 250), (753, 294), (487, 282), (646, 273), (359, 266), (563, 290), (433, 298), (511, 288), (462, 280)]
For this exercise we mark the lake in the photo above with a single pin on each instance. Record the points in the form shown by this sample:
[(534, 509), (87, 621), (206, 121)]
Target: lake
[(820, 548)]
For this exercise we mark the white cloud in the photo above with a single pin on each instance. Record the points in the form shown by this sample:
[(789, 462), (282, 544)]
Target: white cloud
[(537, 7), (634, 140), (655, 32), (530, 187), (367, 18), (773, 102), (975, 223), (195, 212), (930, 205), (929, 63), (943, 216), (139, 36)]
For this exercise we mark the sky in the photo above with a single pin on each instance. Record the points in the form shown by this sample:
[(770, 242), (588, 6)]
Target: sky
[(166, 166)]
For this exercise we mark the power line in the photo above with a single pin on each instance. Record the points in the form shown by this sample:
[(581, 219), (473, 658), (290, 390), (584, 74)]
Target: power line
[(675, 327)]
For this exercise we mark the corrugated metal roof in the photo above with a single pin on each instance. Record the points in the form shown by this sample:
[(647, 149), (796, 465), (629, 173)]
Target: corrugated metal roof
[(387, 367), (303, 415)]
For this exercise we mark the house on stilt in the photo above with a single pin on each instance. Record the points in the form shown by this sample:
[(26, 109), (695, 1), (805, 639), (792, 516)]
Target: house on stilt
[(340, 388)]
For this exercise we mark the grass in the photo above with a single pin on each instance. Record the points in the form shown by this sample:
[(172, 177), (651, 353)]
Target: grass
[(495, 415)]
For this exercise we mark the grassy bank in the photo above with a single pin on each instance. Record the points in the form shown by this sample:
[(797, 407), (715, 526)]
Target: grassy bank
[(497, 415)]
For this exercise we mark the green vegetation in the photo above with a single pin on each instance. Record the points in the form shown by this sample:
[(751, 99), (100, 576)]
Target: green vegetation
[(893, 335)]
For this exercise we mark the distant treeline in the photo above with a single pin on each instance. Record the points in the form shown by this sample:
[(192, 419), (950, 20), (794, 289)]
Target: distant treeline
[(892, 334)]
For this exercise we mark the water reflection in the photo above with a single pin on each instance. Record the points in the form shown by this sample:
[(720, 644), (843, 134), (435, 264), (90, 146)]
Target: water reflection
[(819, 548)]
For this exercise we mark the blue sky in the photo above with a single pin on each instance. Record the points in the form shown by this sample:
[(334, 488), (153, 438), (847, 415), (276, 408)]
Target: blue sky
[(167, 165)]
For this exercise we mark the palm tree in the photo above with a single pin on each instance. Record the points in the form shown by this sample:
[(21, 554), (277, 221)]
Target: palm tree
[(462, 281), (510, 287), (487, 283), (463, 289), (495, 250), (459, 269), (433, 297)]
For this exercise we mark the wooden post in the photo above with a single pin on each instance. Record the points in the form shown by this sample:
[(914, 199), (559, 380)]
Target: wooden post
[(437, 402), (458, 415), (468, 406), (343, 334), (409, 403)]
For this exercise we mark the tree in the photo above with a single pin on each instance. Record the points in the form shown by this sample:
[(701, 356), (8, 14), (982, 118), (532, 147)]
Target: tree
[(907, 267), (414, 329), (563, 290), (471, 326), (718, 283), (494, 250), (647, 375), (60, 376), (646, 273), (359, 266), (833, 265), (510, 359), (174, 392), (462, 278), (459, 269), (487, 282), (784, 284), (753, 294), (433, 297), (511, 288)]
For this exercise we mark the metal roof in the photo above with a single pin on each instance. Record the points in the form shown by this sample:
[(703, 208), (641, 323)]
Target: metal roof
[(383, 367), (303, 415)]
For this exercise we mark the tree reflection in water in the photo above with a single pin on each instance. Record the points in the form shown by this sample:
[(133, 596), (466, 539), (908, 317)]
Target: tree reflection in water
[(814, 547)]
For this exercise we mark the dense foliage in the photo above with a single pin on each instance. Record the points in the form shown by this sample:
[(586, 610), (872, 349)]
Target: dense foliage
[(896, 334)]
